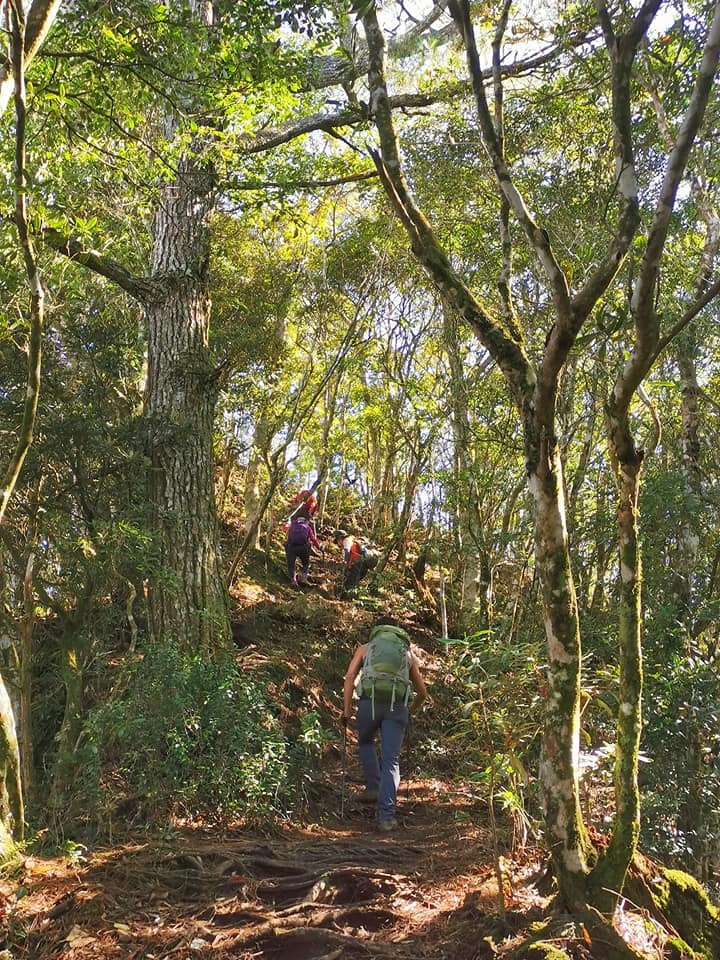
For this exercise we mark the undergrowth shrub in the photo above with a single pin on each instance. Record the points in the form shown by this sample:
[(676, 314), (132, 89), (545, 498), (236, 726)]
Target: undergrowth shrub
[(195, 737), (681, 786), (498, 718)]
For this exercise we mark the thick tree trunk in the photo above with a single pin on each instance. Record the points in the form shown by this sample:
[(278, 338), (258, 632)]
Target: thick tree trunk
[(187, 598)]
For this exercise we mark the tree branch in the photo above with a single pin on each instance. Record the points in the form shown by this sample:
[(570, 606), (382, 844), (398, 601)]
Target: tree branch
[(504, 347), (272, 137), (302, 184), (140, 288), (566, 326), (647, 342)]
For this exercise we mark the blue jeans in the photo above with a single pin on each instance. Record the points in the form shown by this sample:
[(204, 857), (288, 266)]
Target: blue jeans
[(392, 725)]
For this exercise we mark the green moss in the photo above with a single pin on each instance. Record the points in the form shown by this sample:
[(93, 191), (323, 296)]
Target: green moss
[(677, 949), (535, 947), (540, 950), (687, 907), (688, 886)]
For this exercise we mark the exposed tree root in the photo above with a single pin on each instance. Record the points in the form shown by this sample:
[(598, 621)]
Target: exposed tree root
[(339, 892), (674, 920), (346, 885), (302, 944)]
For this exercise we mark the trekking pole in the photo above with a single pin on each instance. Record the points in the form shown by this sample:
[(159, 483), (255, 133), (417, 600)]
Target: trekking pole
[(407, 760), (342, 769)]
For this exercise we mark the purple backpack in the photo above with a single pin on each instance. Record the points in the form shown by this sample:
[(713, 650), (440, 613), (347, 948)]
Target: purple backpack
[(299, 532)]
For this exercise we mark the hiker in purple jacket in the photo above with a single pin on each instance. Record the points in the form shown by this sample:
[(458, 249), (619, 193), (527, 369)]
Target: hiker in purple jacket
[(298, 545)]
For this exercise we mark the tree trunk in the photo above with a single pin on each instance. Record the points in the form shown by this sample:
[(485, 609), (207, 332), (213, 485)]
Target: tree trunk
[(565, 831), (256, 469), (26, 629), (473, 611), (12, 815), (693, 812), (609, 875), (187, 597), (74, 657), (23, 45)]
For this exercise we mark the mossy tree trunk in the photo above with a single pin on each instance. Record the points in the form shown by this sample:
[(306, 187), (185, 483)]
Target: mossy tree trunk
[(608, 876), (573, 855), (22, 46)]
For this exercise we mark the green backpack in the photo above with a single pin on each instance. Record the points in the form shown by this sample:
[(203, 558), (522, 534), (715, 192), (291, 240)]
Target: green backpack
[(386, 668)]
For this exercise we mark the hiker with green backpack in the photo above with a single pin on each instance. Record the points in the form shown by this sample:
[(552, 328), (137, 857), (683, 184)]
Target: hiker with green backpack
[(387, 672)]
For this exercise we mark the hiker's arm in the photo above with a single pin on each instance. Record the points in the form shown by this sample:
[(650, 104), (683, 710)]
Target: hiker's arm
[(418, 685), (352, 672)]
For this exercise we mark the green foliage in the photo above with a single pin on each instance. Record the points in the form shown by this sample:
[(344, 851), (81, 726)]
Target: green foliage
[(498, 717), (683, 720), (197, 738)]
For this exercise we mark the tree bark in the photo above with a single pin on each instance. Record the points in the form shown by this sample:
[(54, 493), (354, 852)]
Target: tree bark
[(559, 767), (256, 469), (12, 814), (11, 794), (475, 576), (609, 875), (187, 599)]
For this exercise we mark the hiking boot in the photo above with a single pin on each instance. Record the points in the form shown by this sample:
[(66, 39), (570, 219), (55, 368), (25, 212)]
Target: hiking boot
[(387, 826), (368, 796), (302, 578), (293, 582)]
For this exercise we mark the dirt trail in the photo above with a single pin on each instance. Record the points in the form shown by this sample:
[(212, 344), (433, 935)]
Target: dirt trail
[(332, 890)]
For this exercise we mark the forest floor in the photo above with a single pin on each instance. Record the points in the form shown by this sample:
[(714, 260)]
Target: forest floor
[(329, 888), (334, 889)]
